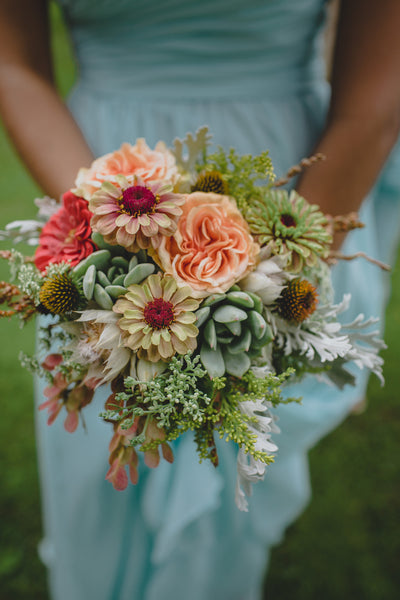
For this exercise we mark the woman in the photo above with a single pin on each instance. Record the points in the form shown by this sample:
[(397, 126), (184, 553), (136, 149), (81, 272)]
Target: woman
[(253, 73)]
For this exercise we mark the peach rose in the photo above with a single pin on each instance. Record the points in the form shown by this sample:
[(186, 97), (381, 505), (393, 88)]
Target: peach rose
[(212, 248), (150, 165)]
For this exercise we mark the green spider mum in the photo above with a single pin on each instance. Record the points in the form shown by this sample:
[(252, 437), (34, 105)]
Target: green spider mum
[(289, 225)]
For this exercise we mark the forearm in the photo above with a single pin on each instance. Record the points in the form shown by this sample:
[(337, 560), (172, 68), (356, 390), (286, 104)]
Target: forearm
[(42, 129), (355, 151), (364, 116)]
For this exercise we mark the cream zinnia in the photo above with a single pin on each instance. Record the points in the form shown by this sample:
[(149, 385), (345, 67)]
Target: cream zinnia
[(158, 316)]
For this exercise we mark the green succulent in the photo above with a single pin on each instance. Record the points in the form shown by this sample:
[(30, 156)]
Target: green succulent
[(232, 331), (289, 225), (107, 273)]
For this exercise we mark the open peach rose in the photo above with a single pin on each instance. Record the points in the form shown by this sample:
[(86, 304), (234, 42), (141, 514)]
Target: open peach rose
[(212, 248), (140, 160)]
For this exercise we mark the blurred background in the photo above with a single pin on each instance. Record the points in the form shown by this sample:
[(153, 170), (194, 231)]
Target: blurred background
[(345, 545)]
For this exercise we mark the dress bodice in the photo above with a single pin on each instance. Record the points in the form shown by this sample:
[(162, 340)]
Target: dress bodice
[(197, 48)]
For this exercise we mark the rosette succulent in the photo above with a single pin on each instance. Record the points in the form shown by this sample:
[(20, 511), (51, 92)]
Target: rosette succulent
[(232, 332), (107, 274), (288, 225)]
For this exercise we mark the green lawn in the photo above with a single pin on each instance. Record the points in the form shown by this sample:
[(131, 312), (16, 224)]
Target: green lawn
[(347, 543)]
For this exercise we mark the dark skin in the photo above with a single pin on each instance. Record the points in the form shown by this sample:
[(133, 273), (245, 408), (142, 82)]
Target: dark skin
[(362, 127)]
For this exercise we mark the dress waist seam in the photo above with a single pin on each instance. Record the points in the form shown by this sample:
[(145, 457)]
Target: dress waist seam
[(201, 96)]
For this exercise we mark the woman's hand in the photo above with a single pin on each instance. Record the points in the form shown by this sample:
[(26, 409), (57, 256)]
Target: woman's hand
[(364, 117), (41, 127)]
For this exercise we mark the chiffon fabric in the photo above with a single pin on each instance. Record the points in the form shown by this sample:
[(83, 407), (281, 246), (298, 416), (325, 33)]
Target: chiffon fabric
[(253, 72)]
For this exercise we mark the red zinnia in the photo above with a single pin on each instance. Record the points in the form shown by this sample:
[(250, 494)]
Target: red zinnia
[(66, 237)]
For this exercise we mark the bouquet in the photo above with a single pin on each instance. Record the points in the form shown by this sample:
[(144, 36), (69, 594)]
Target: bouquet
[(193, 287)]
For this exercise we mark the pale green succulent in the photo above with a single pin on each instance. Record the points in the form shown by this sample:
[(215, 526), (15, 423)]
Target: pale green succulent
[(107, 273), (288, 225), (232, 332)]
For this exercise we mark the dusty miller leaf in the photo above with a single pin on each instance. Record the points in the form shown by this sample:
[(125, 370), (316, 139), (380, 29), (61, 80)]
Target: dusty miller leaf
[(195, 145)]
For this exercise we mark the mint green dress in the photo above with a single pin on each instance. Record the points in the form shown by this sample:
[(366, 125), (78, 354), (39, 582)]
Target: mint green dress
[(253, 72)]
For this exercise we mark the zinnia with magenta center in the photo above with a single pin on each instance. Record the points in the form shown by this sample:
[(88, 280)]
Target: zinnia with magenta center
[(135, 216), (158, 317)]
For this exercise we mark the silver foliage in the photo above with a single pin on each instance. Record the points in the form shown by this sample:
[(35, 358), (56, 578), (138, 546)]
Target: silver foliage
[(195, 146), (249, 470)]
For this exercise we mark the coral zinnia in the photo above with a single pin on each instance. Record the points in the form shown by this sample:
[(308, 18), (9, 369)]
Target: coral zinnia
[(158, 317), (66, 236), (135, 216), (288, 225)]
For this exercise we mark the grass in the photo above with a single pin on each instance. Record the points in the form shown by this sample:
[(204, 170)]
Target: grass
[(346, 543)]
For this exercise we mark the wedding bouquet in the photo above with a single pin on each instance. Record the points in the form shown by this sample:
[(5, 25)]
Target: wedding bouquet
[(192, 286)]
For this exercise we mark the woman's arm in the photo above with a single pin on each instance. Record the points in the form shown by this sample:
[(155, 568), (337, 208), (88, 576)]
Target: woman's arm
[(364, 117), (41, 127)]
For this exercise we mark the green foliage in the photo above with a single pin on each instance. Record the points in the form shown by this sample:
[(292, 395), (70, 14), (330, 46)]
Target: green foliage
[(236, 428), (235, 423), (177, 399), (242, 173), (54, 269), (51, 339), (32, 364), (15, 262), (184, 398), (48, 334), (72, 370), (268, 387), (30, 281), (28, 277)]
